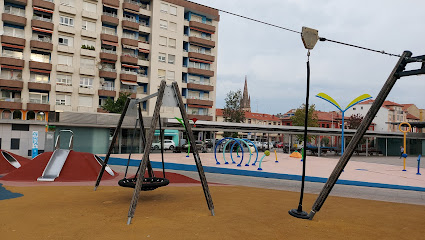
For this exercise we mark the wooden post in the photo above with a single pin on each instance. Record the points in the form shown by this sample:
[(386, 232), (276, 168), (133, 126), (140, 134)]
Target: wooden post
[(146, 153), (189, 133), (367, 120)]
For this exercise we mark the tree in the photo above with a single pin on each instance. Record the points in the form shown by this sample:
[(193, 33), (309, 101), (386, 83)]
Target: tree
[(355, 120), (116, 106), (299, 118), (232, 111)]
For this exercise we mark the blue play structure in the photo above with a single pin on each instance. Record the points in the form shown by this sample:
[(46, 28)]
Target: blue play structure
[(239, 143), (419, 165)]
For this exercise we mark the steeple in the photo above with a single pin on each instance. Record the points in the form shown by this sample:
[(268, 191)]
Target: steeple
[(246, 99)]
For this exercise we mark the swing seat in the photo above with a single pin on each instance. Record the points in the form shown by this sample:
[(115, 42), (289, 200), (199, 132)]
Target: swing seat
[(148, 184)]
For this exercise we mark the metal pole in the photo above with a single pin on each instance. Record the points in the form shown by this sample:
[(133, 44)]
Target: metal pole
[(386, 147), (342, 135), (111, 145), (367, 146), (367, 120)]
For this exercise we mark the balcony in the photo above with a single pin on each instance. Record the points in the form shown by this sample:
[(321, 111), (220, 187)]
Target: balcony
[(40, 65), (145, 9), (66, 49), (126, 58), (64, 88), (36, 106), (87, 52), (130, 24), (109, 18), (91, 15), (44, 44), (203, 72), (39, 86), (144, 45), (64, 68), (201, 56), (88, 33), (10, 17), (200, 117), (20, 2), (10, 103), (107, 93), (129, 41), (131, 5), (66, 29), (198, 86), (203, 26), (143, 62), (113, 3), (11, 83), (47, 4), (43, 23), (202, 42), (144, 28), (15, 40), (67, 9), (128, 76), (108, 37), (88, 70), (108, 73), (108, 55), (10, 61), (131, 91), (86, 90), (195, 101), (142, 78)]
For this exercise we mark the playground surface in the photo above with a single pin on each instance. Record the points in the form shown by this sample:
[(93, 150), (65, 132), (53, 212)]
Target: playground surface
[(247, 205)]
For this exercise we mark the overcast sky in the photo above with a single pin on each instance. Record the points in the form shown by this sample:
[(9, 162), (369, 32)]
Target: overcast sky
[(275, 60)]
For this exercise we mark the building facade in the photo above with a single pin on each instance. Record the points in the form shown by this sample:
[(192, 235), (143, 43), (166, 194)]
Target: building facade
[(71, 55)]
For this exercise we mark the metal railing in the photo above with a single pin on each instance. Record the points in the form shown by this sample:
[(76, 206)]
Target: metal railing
[(37, 81), (143, 23), (71, 140), (45, 39), (144, 6), (130, 19), (198, 82), (12, 78), (200, 21), (129, 55), (199, 98), (143, 74), (108, 51), (197, 113), (192, 65), (107, 88), (197, 51), (108, 69), (15, 11), (48, 0), (64, 83), (4, 99), (200, 36), (110, 14), (41, 19), (128, 90), (128, 72), (132, 2), (110, 32), (11, 55), (38, 101), (15, 34), (130, 36)]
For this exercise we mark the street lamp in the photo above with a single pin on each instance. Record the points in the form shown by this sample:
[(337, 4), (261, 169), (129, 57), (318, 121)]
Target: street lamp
[(359, 99)]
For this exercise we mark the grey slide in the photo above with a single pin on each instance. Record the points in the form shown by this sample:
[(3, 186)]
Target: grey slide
[(11, 159), (54, 167)]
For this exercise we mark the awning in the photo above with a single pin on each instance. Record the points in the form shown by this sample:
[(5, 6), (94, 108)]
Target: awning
[(109, 43), (144, 50), (199, 106), (42, 10), (42, 30), (40, 71), (197, 60), (129, 66), (109, 6), (11, 67), (12, 46), (197, 29), (128, 46), (129, 83)]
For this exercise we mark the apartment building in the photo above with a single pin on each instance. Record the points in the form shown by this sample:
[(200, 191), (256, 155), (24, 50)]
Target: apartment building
[(71, 55)]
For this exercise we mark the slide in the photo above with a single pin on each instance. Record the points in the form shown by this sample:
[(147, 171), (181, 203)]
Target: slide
[(12, 161), (54, 166)]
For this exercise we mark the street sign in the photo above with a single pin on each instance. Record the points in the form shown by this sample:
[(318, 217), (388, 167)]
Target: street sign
[(34, 144)]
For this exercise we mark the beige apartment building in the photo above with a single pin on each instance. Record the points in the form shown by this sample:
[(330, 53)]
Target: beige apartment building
[(71, 55)]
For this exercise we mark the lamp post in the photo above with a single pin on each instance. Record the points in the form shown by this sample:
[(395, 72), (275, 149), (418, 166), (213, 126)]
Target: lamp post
[(359, 99)]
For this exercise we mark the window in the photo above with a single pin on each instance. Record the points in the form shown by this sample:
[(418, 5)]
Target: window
[(6, 114), (63, 99), (90, 7), (14, 32), (11, 53), (42, 98), (39, 57), (85, 101), (17, 114), (354, 109), (164, 7), (66, 41), (173, 10), (14, 10), (161, 57), (11, 74), (161, 74), (14, 143), (62, 79), (172, 43), (87, 63), (171, 75), (130, 35), (67, 21), (86, 82), (41, 37), (171, 58), (65, 60), (88, 43), (162, 41), (172, 26), (40, 78), (163, 24), (109, 30), (89, 26)]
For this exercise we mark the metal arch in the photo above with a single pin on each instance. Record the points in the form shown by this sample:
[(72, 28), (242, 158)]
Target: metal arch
[(231, 150), (256, 150), (215, 150)]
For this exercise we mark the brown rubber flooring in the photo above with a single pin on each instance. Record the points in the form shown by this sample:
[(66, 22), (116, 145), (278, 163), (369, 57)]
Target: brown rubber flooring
[(73, 212)]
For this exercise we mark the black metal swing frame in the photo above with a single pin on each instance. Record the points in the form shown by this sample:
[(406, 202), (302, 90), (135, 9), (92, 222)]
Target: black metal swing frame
[(167, 96)]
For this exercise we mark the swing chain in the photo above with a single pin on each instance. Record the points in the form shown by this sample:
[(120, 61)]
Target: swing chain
[(308, 55)]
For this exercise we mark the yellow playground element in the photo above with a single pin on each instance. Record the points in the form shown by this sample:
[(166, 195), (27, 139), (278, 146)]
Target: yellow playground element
[(296, 154)]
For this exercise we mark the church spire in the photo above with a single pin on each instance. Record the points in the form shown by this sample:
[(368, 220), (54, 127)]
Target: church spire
[(246, 99)]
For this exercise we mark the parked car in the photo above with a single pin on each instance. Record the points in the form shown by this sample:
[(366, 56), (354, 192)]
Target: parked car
[(199, 145), (168, 144), (208, 143), (266, 145)]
